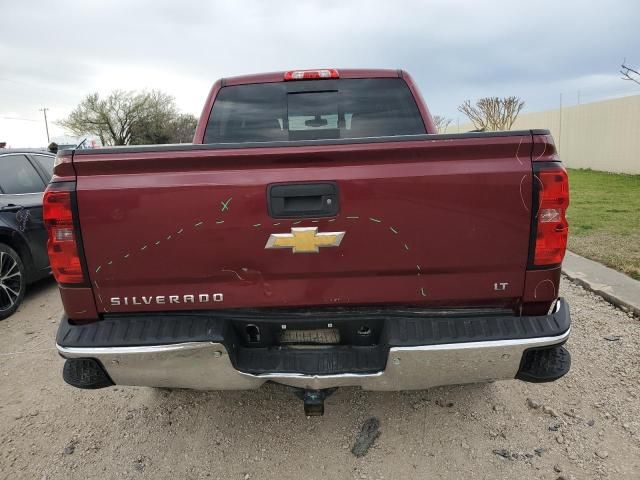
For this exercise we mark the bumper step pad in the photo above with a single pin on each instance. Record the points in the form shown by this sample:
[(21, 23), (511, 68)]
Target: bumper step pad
[(544, 365), (334, 360), (85, 373)]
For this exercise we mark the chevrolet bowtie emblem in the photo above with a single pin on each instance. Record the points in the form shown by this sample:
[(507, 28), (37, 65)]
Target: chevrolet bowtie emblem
[(304, 240)]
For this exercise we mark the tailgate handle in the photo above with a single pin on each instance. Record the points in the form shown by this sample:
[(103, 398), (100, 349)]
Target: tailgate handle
[(300, 200)]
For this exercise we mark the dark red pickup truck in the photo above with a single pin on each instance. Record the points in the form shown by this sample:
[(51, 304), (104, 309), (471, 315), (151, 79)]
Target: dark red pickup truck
[(317, 233)]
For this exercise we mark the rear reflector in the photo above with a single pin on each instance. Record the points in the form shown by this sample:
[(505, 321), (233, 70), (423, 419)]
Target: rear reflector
[(311, 74), (62, 244), (552, 228)]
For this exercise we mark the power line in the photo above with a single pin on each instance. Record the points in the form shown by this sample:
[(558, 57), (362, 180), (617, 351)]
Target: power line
[(20, 118)]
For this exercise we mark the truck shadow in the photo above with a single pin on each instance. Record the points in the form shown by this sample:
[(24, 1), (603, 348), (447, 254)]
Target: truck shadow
[(274, 397), (274, 410), (264, 433)]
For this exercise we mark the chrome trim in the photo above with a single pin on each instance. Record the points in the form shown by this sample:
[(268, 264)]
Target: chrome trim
[(539, 341), (27, 153), (206, 366), (21, 194), (556, 306), (98, 351)]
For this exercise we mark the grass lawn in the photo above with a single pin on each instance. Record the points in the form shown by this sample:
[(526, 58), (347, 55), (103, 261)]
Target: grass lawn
[(604, 218)]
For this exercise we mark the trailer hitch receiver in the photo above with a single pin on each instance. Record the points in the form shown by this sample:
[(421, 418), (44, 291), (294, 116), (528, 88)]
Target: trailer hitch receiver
[(314, 400)]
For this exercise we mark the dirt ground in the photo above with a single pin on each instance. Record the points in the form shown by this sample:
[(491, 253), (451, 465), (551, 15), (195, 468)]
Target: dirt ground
[(587, 425)]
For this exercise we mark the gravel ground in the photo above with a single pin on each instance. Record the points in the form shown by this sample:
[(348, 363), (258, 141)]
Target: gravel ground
[(586, 425)]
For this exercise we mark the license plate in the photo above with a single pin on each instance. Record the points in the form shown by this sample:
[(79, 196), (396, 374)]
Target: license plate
[(323, 336)]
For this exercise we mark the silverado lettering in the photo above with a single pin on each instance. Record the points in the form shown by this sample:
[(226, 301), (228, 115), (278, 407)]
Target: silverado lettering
[(162, 299), (354, 244)]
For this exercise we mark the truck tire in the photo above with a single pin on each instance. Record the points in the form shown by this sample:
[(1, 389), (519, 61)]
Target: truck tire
[(13, 281)]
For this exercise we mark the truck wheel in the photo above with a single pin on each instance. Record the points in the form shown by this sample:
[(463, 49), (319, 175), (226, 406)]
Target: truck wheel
[(13, 281)]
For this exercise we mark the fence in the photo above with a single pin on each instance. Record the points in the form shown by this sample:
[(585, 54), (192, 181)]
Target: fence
[(601, 135)]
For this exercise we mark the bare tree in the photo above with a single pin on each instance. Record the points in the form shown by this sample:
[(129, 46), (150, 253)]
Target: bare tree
[(441, 123), (124, 118), (629, 73), (493, 113)]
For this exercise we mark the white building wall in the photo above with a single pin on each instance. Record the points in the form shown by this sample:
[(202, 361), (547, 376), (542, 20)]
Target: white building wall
[(601, 135)]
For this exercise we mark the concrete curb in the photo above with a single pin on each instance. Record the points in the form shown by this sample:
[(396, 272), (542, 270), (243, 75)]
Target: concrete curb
[(615, 287)]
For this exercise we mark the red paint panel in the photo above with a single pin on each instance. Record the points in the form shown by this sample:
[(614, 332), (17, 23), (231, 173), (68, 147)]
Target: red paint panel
[(430, 222), (63, 170), (540, 290), (198, 137), (544, 149), (422, 106), (542, 285), (78, 303)]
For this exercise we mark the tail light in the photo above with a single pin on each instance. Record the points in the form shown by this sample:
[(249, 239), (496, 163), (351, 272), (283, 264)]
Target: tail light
[(551, 187), (63, 244), (311, 74)]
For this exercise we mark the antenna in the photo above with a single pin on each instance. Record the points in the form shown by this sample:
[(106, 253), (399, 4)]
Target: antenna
[(81, 143)]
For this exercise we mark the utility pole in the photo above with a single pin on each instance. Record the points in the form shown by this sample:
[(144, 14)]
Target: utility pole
[(46, 124)]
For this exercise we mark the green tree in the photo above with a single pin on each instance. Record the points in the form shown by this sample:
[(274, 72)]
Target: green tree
[(183, 127), (131, 118)]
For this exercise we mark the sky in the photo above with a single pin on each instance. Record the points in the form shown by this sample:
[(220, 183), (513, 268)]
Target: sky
[(53, 52)]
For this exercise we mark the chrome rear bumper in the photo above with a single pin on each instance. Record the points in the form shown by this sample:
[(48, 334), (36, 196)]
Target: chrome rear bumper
[(207, 366)]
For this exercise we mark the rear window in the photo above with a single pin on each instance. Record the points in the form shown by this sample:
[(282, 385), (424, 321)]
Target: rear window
[(314, 110), (46, 162), (17, 175)]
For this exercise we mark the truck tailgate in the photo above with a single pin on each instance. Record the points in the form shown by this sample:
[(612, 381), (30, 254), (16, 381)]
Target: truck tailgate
[(441, 222)]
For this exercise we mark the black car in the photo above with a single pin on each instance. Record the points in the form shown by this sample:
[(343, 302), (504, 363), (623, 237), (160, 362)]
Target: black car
[(24, 174)]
